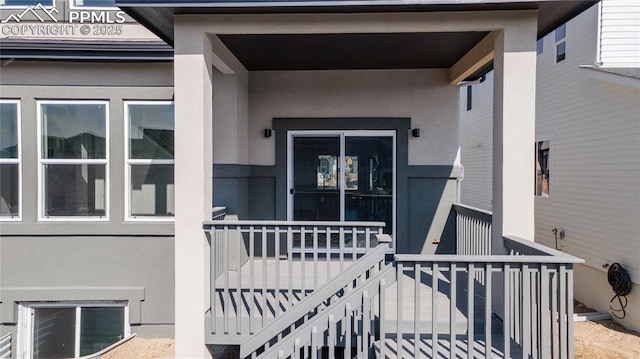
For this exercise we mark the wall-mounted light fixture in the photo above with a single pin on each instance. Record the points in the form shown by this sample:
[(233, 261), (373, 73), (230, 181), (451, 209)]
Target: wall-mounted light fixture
[(267, 132), (415, 132)]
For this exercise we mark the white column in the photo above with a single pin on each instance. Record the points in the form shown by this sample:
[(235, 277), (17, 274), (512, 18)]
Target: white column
[(514, 132), (193, 187)]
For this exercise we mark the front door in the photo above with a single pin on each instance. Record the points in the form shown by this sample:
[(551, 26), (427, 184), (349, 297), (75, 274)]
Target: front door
[(342, 176)]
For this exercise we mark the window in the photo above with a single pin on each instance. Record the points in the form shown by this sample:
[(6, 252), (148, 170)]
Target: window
[(94, 3), (70, 330), (469, 98), (10, 191), (150, 160), (25, 3), (73, 159), (542, 169), (540, 47), (561, 43)]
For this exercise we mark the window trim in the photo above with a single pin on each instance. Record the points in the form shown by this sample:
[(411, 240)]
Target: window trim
[(74, 6), (22, 7), (559, 42), (41, 162), (128, 162), (26, 315), (17, 161)]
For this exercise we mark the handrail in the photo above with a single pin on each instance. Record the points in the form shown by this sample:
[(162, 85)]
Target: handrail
[(473, 211), (218, 213), (523, 246), (209, 224), (336, 312), (319, 296), (486, 259)]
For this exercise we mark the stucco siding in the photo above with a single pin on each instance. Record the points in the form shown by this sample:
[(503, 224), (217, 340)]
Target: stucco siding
[(425, 96), (619, 33)]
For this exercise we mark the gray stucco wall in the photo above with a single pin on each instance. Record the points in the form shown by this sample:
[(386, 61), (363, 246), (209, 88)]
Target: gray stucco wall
[(369, 99), (80, 261)]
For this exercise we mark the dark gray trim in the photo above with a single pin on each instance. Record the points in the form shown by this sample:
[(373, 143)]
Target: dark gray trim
[(85, 50), (434, 171)]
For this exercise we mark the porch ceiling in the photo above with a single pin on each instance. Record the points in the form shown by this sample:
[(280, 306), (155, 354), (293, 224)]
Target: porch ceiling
[(351, 51)]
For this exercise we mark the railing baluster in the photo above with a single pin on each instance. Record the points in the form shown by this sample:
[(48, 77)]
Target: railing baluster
[(470, 324), (453, 307), (331, 340), (545, 344), (252, 278), (265, 308), (239, 304), (487, 310), (383, 317), (212, 272), (315, 257), (226, 307), (564, 320), (417, 270), (314, 343), (366, 323), (506, 331), (290, 264), (328, 259), (569, 297), (526, 309), (435, 273), (303, 254), (554, 314), (277, 274), (400, 270), (354, 243), (348, 330), (367, 243)]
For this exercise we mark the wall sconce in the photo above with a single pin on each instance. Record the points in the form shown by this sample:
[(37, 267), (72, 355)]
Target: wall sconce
[(267, 132), (415, 132)]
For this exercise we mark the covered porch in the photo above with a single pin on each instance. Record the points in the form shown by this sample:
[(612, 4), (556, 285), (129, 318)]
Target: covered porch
[(248, 82)]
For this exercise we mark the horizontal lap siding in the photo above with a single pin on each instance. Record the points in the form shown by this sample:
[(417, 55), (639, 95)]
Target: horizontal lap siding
[(620, 33), (476, 138), (594, 129)]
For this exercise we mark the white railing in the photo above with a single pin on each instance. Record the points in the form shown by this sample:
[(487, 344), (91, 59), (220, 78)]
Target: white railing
[(536, 285), (5, 346), (261, 269), (473, 230), (348, 320)]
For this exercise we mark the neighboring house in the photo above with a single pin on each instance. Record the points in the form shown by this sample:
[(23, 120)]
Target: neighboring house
[(330, 130), (588, 148)]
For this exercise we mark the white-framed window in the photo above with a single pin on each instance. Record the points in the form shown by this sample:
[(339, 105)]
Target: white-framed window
[(543, 168), (26, 3), (73, 152), (561, 43), (149, 134), (70, 329), (95, 4), (10, 161)]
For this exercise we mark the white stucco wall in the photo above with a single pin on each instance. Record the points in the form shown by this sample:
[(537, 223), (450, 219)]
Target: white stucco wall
[(425, 96)]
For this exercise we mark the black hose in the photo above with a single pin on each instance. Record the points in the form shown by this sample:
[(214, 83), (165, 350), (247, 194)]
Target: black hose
[(620, 282)]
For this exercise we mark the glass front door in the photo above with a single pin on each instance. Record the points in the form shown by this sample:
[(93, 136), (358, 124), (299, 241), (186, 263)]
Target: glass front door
[(342, 176)]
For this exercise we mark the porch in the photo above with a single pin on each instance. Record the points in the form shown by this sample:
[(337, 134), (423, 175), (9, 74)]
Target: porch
[(321, 296)]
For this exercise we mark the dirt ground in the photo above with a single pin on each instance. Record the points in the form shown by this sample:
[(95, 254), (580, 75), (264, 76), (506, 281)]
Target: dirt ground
[(593, 340)]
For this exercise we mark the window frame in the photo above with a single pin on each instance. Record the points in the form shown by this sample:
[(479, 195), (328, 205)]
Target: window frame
[(21, 7), (128, 162), (42, 162), (561, 41), (74, 6), (17, 161), (26, 321)]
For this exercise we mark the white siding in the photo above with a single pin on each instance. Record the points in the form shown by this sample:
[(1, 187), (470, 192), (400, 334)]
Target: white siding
[(476, 140), (620, 33), (594, 129)]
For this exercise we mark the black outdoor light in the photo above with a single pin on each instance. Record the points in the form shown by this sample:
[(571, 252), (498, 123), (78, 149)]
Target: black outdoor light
[(267, 132), (415, 132)]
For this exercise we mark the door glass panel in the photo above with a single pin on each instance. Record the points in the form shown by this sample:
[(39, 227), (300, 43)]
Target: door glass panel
[(316, 186), (369, 179)]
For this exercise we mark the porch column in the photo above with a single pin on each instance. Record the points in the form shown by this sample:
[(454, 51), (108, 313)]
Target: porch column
[(514, 132), (193, 187)]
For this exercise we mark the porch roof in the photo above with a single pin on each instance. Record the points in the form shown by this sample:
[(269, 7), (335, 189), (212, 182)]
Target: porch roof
[(157, 15)]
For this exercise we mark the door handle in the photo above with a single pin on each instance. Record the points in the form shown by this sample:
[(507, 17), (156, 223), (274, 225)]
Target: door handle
[(292, 191)]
